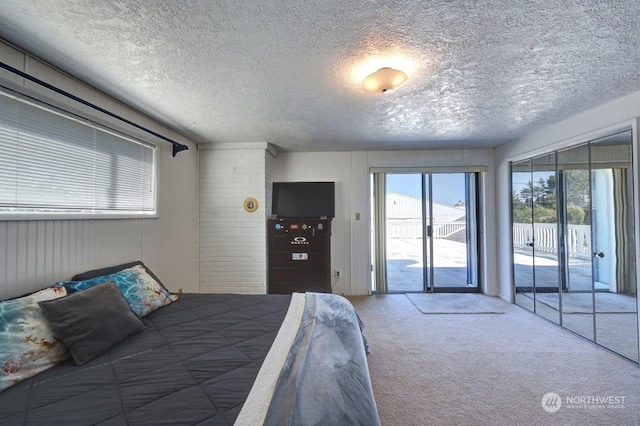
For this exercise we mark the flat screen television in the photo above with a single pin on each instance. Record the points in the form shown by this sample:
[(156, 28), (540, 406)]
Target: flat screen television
[(304, 200)]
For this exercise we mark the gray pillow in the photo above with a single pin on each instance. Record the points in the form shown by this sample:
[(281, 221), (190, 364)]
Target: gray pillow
[(92, 321)]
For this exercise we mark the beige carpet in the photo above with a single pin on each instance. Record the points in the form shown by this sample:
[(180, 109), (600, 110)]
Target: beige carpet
[(455, 303), (488, 369)]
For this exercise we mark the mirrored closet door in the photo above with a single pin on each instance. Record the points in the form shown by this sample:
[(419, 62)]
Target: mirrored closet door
[(535, 235), (545, 237), (522, 218), (574, 240), (575, 188)]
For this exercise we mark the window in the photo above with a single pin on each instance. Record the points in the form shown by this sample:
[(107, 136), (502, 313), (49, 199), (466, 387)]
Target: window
[(55, 163)]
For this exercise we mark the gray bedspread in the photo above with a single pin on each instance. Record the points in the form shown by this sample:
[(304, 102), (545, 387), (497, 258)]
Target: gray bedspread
[(325, 387), (196, 363)]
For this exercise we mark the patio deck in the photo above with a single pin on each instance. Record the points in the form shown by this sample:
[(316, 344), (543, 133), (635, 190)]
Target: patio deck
[(405, 268)]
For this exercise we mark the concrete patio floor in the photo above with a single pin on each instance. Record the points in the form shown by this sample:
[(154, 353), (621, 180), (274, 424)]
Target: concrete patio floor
[(405, 267)]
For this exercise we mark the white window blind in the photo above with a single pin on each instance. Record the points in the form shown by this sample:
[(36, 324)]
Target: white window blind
[(54, 162)]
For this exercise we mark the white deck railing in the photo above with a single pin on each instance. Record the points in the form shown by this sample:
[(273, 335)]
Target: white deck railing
[(545, 238), (546, 235), (412, 228)]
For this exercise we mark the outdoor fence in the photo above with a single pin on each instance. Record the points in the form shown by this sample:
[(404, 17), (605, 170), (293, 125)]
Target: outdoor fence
[(544, 236), (412, 228)]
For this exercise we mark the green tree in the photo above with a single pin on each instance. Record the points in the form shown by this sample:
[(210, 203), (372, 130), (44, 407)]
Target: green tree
[(577, 184), (543, 197), (543, 214), (578, 196), (521, 210), (575, 215)]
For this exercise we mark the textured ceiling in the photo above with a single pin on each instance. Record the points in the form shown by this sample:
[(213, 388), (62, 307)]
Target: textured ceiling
[(481, 73)]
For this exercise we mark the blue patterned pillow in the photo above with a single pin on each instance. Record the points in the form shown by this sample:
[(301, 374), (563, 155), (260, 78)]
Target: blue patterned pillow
[(27, 344), (142, 292)]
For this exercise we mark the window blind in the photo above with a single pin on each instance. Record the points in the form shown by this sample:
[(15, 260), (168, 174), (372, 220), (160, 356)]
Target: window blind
[(54, 162)]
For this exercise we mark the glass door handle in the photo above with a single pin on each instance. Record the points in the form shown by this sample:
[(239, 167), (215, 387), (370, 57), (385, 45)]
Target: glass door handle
[(598, 254), (529, 244)]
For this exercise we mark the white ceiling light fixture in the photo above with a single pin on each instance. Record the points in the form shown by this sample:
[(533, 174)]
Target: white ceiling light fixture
[(383, 80)]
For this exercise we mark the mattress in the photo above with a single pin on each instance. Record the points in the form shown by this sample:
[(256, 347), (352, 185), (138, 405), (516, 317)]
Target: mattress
[(196, 363)]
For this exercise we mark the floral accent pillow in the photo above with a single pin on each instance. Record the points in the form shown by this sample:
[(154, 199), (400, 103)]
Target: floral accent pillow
[(27, 344), (142, 292)]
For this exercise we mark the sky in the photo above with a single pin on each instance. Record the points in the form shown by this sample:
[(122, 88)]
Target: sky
[(448, 188)]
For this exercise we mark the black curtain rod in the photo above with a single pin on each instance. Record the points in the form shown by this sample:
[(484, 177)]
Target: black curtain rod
[(177, 146)]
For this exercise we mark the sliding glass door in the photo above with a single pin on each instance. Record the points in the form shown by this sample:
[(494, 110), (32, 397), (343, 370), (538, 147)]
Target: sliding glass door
[(427, 232), (405, 232), (453, 231)]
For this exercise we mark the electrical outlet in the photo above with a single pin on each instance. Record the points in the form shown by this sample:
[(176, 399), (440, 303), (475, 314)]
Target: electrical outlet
[(338, 273)]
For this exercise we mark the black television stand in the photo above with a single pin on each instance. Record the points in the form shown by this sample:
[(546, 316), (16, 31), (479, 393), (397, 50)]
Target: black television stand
[(299, 255)]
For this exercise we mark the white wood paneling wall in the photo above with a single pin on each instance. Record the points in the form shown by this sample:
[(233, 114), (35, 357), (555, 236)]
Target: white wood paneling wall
[(335, 167), (351, 238), (232, 240), (34, 254)]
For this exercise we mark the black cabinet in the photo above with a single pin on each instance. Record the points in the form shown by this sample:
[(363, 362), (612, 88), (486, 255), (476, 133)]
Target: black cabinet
[(299, 253)]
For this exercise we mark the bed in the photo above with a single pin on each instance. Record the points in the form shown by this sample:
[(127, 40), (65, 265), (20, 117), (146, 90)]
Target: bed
[(214, 359)]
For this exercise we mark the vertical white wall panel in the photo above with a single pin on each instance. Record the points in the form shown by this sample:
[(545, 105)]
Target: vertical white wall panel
[(360, 243), (170, 245), (269, 172), (270, 166), (488, 241), (335, 167), (35, 254)]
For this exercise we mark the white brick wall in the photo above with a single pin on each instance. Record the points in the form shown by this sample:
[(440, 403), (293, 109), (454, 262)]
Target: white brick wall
[(233, 241)]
